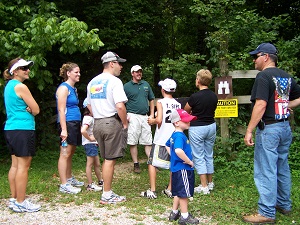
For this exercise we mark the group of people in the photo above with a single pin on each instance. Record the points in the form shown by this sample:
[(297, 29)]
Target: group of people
[(116, 116)]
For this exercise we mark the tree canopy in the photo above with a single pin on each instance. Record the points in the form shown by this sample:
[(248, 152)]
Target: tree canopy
[(167, 38)]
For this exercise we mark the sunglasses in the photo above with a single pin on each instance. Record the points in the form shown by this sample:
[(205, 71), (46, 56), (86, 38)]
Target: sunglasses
[(24, 68), (255, 57)]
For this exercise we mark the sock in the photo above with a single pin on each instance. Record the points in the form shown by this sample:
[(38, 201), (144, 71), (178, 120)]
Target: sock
[(185, 215), (107, 193), (175, 211)]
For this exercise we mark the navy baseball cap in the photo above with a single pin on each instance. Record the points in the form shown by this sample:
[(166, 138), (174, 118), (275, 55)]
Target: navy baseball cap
[(265, 48)]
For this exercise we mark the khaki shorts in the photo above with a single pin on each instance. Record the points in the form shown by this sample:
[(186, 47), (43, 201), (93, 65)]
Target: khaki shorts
[(139, 131), (111, 137)]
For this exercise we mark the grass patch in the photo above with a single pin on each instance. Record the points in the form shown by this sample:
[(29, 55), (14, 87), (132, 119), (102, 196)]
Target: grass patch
[(235, 194)]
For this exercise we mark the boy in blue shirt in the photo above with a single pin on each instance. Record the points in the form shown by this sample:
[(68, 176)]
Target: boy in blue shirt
[(181, 166)]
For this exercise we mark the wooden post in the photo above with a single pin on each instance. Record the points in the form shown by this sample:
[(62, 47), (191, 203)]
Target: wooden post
[(223, 64)]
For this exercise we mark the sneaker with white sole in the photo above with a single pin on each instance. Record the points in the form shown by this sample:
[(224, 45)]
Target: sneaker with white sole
[(74, 182), (11, 203), (100, 183), (112, 199), (202, 190), (149, 194), (211, 186), (174, 216), (26, 206), (93, 187), (69, 189), (189, 220), (167, 193)]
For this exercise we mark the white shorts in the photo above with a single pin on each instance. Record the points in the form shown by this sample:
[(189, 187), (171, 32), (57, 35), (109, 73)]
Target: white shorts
[(139, 131)]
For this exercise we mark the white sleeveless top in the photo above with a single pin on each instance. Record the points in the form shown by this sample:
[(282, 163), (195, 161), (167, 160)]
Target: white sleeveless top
[(166, 129)]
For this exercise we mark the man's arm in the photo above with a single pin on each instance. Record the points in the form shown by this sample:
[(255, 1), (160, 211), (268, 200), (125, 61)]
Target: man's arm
[(257, 113), (121, 109), (294, 103)]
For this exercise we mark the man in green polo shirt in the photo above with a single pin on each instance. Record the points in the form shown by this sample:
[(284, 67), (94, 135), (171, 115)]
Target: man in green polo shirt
[(140, 97)]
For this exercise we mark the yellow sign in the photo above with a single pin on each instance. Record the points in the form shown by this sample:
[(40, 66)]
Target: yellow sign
[(227, 108)]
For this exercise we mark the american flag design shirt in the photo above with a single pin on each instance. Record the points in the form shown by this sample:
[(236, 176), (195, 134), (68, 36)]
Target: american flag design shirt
[(282, 92)]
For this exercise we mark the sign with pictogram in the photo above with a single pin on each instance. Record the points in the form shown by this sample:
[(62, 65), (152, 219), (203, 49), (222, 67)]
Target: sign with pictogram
[(227, 108), (223, 87)]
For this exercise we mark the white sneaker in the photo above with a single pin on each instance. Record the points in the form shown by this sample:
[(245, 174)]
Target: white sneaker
[(112, 199), (74, 182), (149, 194), (69, 189), (93, 187), (211, 186), (167, 193), (11, 203), (26, 206), (203, 190)]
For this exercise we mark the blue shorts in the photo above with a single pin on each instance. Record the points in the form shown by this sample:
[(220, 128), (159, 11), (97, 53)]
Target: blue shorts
[(183, 182), (91, 149), (74, 132), (20, 143)]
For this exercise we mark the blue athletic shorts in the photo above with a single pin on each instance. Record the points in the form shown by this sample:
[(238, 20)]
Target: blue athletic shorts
[(183, 182), (74, 132), (20, 143), (91, 149)]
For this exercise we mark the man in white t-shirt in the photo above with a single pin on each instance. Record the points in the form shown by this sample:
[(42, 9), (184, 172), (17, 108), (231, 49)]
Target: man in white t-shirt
[(106, 98)]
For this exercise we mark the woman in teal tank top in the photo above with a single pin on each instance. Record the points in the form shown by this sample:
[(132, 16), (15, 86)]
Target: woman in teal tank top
[(19, 131)]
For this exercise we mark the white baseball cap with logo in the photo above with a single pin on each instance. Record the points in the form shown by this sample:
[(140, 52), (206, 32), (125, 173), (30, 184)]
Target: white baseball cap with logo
[(136, 68), (168, 85)]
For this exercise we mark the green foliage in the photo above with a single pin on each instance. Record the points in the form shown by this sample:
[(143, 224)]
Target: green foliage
[(38, 32), (31, 32), (183, 70)]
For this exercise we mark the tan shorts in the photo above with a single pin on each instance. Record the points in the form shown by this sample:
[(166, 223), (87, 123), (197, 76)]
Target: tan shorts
[(111, 137), (139, 131)]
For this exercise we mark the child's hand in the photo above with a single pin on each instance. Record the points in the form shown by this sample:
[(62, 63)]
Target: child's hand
[(92, 138)]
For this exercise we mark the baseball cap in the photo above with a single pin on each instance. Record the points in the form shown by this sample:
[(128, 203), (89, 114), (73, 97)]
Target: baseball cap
[(168, 85), (180, 114), (20, 62), (136, 68), (265, 48), (111, 56)]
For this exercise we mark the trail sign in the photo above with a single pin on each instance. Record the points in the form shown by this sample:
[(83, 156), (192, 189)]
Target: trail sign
[(227, 108)]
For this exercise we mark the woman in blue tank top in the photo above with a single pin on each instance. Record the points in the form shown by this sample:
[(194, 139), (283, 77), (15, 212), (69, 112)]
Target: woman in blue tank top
[(19, 131), (69, 119)]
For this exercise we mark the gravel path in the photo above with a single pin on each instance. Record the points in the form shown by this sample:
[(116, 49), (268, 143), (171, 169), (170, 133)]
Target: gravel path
[(73, 214), (85, 214)]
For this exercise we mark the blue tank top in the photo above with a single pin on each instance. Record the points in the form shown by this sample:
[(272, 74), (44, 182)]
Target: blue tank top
[(72, 110), (17, 116)]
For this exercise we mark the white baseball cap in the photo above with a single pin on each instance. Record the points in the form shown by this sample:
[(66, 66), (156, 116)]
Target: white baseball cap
[(168, 85), (20, 62), (136, 68), (111, 56)]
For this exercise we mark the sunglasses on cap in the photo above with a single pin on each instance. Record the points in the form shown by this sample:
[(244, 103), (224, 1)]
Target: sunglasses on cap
[(255, 57), (23, 68)]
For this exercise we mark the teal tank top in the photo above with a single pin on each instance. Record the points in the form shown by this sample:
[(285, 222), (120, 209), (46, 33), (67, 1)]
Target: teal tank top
[(17, 116)]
